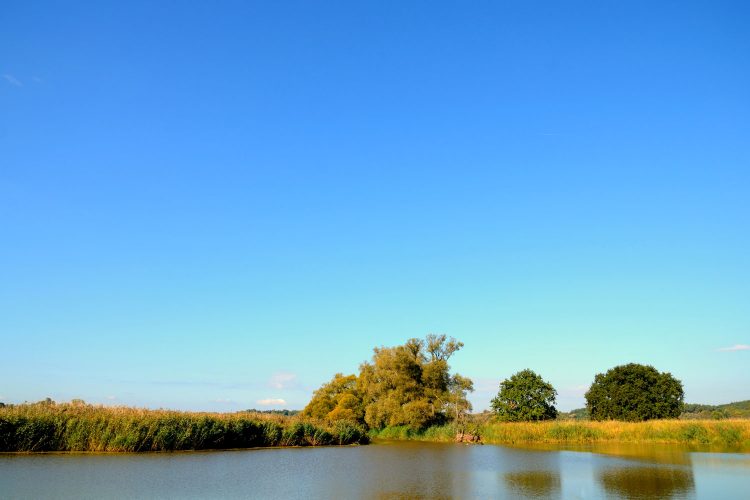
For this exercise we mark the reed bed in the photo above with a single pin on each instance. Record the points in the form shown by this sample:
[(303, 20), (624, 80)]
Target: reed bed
[(732, 433), (71, 427), (725, 433)]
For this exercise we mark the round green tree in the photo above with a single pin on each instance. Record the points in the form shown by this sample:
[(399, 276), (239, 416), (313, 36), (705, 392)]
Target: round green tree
[(634, 393), (525, 396)]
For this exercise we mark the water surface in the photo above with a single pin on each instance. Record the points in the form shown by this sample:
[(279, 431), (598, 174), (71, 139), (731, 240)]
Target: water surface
[(383, 470)]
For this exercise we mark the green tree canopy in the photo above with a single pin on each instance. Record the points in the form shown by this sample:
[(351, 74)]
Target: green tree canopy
[(525, 396), (409, 384), (337, 400), (634, 392)]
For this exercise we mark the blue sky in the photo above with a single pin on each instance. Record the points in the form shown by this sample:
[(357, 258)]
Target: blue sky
[(219, 206)]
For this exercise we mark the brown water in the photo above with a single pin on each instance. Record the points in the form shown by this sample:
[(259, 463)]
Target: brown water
[(384, 470)]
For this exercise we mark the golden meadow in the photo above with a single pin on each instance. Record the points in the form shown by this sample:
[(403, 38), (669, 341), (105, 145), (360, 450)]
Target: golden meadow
[(722, 434)]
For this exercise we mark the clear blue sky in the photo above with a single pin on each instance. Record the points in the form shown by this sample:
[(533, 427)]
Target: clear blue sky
[(213, 206)]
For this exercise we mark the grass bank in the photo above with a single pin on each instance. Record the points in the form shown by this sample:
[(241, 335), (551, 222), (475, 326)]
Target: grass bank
[(725, 433), (71, 427)]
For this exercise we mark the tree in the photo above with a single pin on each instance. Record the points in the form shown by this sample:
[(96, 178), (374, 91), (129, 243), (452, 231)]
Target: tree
[(337, 400), (408, 384), (634, 392), (411, 384), (525, 396), (458, 387)]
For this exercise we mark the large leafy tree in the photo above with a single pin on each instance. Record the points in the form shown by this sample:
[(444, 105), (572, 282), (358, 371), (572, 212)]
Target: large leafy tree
[(525, 396), (634, 392), (409, 384)]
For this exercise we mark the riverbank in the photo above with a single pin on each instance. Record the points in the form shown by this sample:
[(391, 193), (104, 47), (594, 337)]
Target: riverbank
[(79, 427), (721, 433), (71, 427)]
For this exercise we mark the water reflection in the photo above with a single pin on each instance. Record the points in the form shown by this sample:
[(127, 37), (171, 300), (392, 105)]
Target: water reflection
[(535, 484), (647, 482), (382, 470), (421, 479), (650, 452)]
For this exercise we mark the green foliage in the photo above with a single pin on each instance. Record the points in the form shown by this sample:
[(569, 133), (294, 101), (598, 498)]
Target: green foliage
[(729, 435), (634, 392), (305, 434), (695, 433), (573, 433), (396, 432), (720, 414), (435, 433), (525, 397), (739, 409), (338, 400), (345, 432), (407, 385), (458, 387), (579, 414), (411, 385)]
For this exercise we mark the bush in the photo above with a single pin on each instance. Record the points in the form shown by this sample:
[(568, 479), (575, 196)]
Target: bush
[(348, 433)]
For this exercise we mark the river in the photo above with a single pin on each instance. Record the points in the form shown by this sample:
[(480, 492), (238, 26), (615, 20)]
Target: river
[(384, 470)]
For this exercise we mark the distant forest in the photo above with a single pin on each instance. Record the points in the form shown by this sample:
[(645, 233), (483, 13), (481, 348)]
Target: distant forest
[(286, 413), (691, 411), (739, 409)]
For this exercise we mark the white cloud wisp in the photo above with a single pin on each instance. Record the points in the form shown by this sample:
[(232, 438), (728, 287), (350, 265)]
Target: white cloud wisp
[(736, 347)]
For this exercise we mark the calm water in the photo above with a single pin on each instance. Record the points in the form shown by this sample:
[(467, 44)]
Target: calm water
[(383, 470)]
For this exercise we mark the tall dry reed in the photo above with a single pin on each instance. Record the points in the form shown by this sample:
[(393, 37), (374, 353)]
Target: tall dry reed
[(724, 433), (72, 427)]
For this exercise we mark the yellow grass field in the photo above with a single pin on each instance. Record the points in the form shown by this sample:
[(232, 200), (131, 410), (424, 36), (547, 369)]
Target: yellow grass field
[(730, 433)]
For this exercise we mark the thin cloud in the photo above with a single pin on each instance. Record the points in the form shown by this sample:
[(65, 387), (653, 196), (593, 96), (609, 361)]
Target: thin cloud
[(736, 347), (12, 80), (271, 402), (283, 380), (575, 390)]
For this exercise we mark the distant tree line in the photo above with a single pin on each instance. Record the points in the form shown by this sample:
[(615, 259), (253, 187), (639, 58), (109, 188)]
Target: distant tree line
[(284, 412), (739, 409)]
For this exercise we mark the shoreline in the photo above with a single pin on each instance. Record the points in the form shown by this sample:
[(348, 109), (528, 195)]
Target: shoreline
[(729, 433), (72, 428)]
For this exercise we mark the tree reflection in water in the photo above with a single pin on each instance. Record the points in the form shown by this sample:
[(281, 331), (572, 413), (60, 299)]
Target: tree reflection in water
[(536, 483), (647, 482)]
